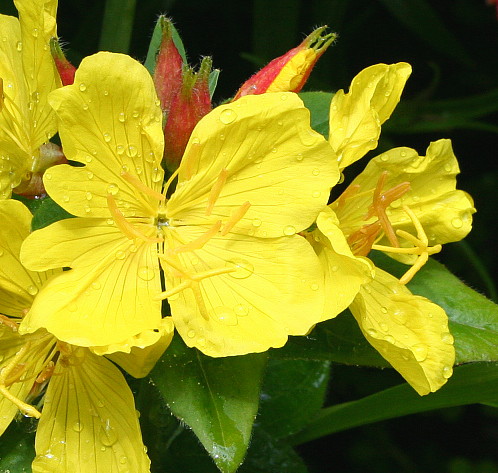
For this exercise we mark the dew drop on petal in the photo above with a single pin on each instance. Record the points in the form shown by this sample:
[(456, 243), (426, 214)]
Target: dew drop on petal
[(447, 372), (227, 116), (82, 87), (121, 117), (191, 334), (120, 255), (316, 194), (457, 223), (19, 45), (112, 189), (316, 171), (372, 332), (32, 290), (383, 310), (315, 286), (289, 230), (107, 137), (256, 222), (241, 310), (108, 435), (446, 337), (146, 273), (420, 351), (78, 426), (243, 269), (96, 285), (226, 316)]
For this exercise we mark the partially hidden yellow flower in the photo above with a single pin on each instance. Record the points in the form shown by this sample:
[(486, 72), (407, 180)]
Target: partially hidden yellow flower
[(88, 423), (27, 76), (238, 275), (406, 205)]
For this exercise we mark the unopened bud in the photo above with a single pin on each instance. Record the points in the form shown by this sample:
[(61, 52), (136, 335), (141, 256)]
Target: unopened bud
[(188, 106), (289, 73), (65, 69), (169, 64)]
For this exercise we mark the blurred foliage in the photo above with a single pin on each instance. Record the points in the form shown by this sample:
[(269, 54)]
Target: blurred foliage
[(452, 93)]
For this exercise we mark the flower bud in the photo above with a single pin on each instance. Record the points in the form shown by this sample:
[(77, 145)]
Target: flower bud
[(289, 73), (188, 106), (64, 67), (168, 71)]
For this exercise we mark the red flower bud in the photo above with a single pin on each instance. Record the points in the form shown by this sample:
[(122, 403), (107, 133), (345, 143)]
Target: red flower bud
[(168, 71), (64, 67), (188, 106), (289, 73)]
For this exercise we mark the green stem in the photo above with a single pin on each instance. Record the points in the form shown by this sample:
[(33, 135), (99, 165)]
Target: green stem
[(117, 25)]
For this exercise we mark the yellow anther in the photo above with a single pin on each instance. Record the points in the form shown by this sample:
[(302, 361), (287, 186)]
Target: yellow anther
[(349, 192), (6, 373), (139, 185), (421, 247), (235, 218), (362, 240), (198, 243), (216, 190), (382, 200), (127, 228)]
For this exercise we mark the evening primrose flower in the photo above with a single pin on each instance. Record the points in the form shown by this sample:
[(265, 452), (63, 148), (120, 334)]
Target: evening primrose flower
[(406, 205), (88, 422), (27, 76), (238, 275)]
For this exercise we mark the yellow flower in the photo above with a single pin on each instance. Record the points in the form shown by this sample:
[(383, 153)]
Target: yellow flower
[(88, 422), (406, 205), (27, 76), (238, 276)]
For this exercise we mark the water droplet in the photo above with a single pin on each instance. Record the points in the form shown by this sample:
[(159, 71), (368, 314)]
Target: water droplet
[(384, 157), (66, 198), (383, 310), (107, 137), (283, 97), (133, 248), (316, 171), (400, 317), (243, 269), (120, 255), (110, 221), (420, 351), (108, 435), (402, 154), (384, 327), (96, 285), (457, 223), (35, 96), (315, 286), (131, 151), (32, 290), (226, 316), (446, 337), (121, 117), (19, 45), (316, 194), (88, 158), (372, 332), (191, 334), (241, 310), (135, 114), (157, 174), (447, 372), (82, 87), (47, 176), (89, 174), (78, 426), (146, 273), (256, 222), (112, 189), (35, 32), (448, 167), (299, 157), (89, 196), (289, 230), (227, 116), (123, 460)]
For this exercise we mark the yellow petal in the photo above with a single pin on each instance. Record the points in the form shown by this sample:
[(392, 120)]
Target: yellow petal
[(36, 349), (274, 289), (409, 331), (143, 354), (355, 118), (111, 131), (444, 212), (107, 296), (270, 157), (17, 285), (89, 423), (344, 273)]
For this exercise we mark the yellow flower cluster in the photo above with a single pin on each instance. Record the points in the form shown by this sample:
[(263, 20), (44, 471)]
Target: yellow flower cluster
[(241, 241)]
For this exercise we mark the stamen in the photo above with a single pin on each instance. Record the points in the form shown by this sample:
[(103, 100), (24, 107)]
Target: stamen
[(181, 287), (362, 240), (5, 373), (189, 159), (4, 320), (129, 230), (421, 248), (138, 184), (198, 243), (349, 192), (216, 190), (235, 218), (173, 264), (46, 373), (196, 289), (168, 183), (382, 200), (211, 273)]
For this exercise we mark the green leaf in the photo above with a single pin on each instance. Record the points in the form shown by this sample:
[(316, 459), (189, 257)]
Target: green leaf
[(117, 25), (213, 81), (32, 204), (473, 317), (267, 454), (472, 383), (216, 397), (17, 449), (48, 212), (292, 392), (318, 104)]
